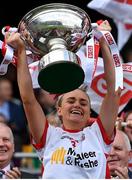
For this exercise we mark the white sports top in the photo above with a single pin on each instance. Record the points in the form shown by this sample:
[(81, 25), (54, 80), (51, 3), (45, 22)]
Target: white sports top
[(74, 154)]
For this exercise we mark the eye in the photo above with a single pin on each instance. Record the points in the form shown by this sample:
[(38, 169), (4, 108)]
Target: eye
[(6, 139), (83, 103), (118, 148), (70, 101)]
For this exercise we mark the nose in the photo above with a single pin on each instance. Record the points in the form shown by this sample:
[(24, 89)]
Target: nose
[(112, 151), (77, 104), (1, 142)]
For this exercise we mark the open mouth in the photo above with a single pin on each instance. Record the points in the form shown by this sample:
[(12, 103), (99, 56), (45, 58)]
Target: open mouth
[(3, 151), (77, 112)]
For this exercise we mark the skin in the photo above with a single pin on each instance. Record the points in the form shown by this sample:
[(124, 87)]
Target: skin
[(119, 156), (33, 110), (13, 174), (6, 146), (75, 110), (128, 129), (6, 151), (5, 90)]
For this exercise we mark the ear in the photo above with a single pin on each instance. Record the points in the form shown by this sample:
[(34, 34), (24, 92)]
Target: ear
[(59, 111), (130, 154), (13, 148)]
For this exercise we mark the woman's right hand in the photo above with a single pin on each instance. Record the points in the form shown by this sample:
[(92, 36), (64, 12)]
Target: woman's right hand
[(14, 40)]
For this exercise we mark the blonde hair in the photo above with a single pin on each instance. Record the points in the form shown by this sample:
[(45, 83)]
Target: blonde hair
[(81, 88)]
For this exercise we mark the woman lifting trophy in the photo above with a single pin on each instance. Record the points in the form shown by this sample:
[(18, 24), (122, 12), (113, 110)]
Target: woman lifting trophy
[(79, 148)]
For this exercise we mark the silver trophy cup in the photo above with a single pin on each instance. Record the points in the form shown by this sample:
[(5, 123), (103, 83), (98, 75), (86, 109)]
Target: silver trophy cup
[(55, 32)]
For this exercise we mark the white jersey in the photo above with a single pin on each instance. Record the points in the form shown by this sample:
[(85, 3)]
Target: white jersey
[(74, 155)]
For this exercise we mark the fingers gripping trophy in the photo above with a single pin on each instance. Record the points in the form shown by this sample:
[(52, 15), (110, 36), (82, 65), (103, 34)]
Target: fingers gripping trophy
[(55, 32)]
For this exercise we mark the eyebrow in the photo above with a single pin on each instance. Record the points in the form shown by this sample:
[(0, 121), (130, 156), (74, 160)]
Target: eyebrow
[(3, 137), (73, 98), (118, 146)]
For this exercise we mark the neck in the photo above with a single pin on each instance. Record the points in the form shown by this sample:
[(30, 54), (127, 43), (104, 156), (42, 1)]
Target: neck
[(74, 126), (4, 164)]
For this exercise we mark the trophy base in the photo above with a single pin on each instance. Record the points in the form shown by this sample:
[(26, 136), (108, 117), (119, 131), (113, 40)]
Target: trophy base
[(61, 77)]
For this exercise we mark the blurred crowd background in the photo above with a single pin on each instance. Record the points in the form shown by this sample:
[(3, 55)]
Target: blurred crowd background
[(11, 109)]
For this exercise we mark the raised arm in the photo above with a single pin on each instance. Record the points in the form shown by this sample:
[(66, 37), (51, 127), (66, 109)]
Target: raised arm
[(34, 113), (110, 105)]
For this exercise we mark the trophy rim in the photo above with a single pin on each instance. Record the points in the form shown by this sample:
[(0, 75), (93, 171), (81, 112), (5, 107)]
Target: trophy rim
[(31, 19), (62, 5)]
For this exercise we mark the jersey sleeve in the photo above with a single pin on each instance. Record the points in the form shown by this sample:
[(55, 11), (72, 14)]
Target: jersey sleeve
[(103, 136), (48, 136)]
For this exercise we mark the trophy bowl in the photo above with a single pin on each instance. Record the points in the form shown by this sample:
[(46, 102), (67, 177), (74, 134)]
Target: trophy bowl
[(55, 32)]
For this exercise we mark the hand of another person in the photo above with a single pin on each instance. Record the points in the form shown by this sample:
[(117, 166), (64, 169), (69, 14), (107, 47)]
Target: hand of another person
[(121, 172), (118, 124), (129, 124), (14, 173), (104, 26)]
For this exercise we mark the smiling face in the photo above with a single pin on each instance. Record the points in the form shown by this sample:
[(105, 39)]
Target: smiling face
[(6, 145), (119, 154), (74, 110)]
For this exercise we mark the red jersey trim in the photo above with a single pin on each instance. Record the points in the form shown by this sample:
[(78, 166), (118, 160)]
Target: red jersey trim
[(89, 123), (107, 175), (43, 138), (130, 165), (70, 130), (106, 139)]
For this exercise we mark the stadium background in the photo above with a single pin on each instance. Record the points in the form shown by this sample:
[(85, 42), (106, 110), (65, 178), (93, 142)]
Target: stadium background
[(11, 13)]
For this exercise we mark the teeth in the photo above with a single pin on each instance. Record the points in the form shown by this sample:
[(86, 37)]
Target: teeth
[(76, 112), (2, 151)]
